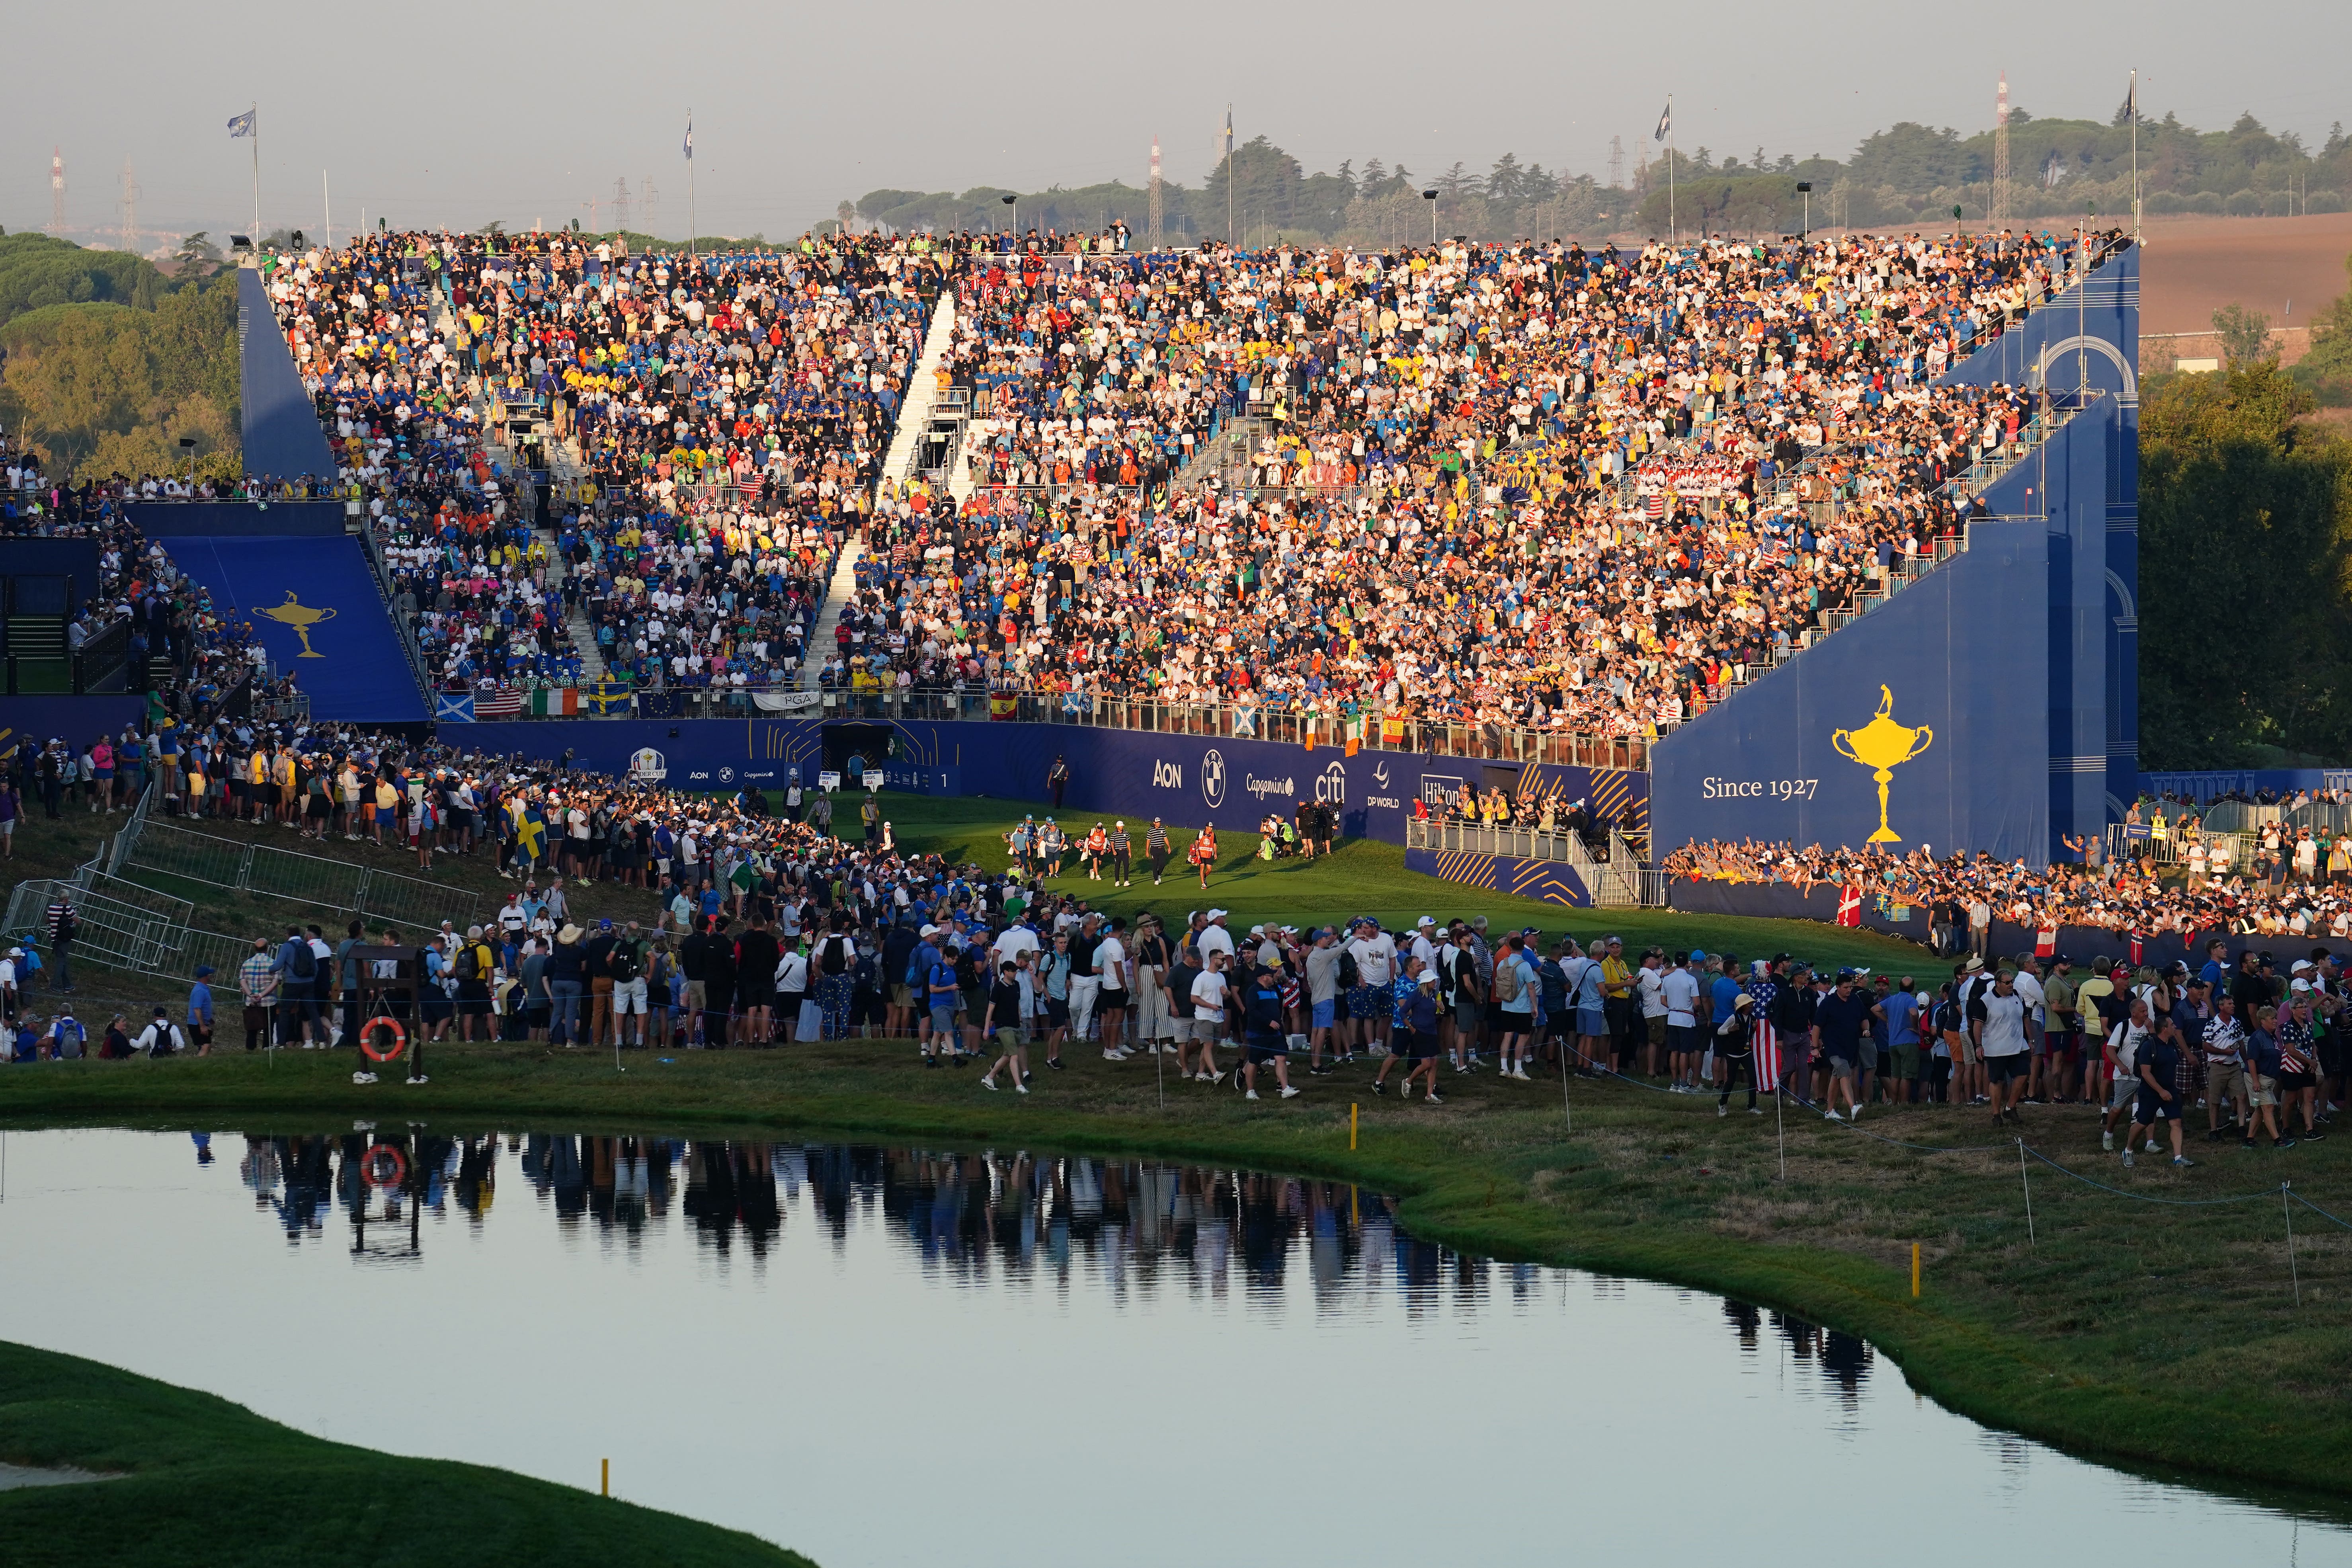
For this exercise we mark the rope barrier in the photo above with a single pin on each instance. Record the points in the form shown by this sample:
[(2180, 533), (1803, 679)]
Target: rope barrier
[(2314, 1207), (2150, 1198)]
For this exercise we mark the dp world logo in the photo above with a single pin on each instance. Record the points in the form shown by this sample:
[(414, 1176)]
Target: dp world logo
[(1212, 776)]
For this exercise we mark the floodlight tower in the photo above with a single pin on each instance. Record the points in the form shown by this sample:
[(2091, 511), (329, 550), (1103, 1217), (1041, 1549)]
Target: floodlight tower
[(57, 191), (1151, 239), (2001, 155)]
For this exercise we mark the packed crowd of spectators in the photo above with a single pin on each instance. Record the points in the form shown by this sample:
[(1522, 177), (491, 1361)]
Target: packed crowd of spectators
[(1522, 484), (2295, 882), (719, 423)]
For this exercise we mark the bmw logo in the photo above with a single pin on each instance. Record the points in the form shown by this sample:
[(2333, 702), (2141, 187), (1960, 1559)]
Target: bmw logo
[(1212, 777), (727, 775)]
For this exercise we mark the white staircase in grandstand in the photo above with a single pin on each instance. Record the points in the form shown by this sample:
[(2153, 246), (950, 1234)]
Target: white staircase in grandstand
[(584, 635), (828, 619), (960, 481), (922, 392)]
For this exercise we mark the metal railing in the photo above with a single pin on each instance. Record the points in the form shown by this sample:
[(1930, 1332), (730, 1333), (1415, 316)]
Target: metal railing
[(1618, 881), (160, 850), (144, 932)]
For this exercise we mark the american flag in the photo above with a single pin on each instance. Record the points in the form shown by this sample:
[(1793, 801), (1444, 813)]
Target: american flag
[(1768, 1039), (503, 702)]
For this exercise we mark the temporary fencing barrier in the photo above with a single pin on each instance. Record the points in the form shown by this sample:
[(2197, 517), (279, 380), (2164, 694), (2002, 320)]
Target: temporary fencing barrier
[(162, 849)]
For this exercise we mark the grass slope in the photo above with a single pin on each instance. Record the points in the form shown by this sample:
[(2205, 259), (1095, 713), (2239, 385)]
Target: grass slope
[(1364, 877), (211, 1482), (2166, 1336)]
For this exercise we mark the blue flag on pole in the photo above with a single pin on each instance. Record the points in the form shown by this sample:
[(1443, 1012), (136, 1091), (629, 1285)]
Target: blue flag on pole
[(689, 139), (1666, 122), (241, 125)]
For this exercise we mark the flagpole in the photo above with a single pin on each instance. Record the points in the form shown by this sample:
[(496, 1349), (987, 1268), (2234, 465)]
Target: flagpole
[(1674, 228), (2133, 96), (1229, 176), (691, 236), (327, 200), (256, 112)]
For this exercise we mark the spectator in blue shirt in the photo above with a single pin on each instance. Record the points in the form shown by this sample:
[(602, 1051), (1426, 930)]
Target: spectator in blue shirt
[(200, 1012)]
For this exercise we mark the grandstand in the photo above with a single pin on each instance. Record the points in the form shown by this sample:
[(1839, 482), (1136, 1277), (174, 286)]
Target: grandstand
[(1723, 539)]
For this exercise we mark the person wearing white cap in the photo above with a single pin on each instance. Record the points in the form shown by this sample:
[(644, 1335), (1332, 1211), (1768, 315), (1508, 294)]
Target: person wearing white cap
[(1214, 937)]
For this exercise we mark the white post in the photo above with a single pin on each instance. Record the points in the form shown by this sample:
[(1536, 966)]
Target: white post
[(256, 112), (327, 200)]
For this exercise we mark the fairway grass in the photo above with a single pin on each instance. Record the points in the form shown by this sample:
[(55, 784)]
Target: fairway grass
[(203, 1482)]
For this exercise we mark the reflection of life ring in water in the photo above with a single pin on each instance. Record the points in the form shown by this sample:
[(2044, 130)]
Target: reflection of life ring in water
[(367, 1039), (386, 1166)]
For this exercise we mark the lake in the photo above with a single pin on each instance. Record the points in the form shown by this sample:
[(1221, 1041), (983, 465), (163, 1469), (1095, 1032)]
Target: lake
[(888, 1357)]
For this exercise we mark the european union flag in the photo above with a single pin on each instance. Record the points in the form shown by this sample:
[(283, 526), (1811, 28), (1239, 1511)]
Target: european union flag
[(242, 125), (453, 710)]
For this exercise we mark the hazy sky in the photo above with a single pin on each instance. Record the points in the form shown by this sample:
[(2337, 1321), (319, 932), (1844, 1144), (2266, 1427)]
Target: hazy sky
[(433, 112)]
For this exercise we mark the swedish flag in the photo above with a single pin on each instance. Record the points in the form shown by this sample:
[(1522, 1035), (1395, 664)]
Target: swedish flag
[(531, 834), (605, 697)]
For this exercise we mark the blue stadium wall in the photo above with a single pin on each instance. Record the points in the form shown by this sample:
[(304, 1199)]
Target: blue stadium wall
[(314, 603), (2088, 336), (2043, 605), (1187, 780), (280, 425), (78, 720)]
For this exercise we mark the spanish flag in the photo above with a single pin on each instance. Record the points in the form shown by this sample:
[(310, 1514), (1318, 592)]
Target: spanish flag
[(1003, 705)]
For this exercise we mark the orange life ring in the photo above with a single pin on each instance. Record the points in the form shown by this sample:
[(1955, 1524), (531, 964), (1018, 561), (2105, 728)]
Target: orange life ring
[(377, 1158), (399, 1038)]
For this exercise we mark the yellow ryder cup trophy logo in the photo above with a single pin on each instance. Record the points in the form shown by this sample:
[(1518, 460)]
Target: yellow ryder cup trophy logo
[(302, 617), (1883, 745)]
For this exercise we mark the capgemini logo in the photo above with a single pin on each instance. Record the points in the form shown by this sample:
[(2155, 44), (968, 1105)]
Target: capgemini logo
[(1212, 776)]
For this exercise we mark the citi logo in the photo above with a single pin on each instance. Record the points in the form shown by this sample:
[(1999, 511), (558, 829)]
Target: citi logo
[(1331, 788)]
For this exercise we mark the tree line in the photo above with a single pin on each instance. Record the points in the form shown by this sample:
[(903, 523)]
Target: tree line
[(2245, 565), (1907, 173), (106, 362)]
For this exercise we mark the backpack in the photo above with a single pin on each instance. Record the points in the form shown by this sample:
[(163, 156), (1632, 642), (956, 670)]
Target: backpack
[(469, 963), (1351, 974), (306, 964), (1508, 978), (625, 962), (831, 958)]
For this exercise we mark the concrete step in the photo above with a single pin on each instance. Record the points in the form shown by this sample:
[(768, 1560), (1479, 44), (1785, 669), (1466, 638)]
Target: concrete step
[(922, 392), (828, 619)]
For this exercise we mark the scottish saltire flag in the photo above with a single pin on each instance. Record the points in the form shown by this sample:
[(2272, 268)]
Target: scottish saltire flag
[(453, 708), (690, 138), (242, 125), (1666, 122)]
